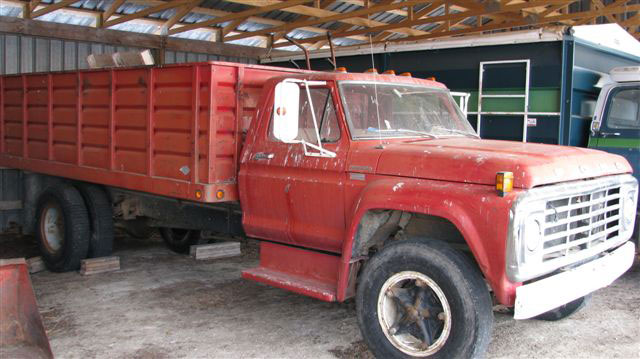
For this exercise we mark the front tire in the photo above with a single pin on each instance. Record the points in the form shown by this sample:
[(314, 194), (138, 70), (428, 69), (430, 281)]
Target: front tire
[(63, 228), (180, 240), (423, 299)]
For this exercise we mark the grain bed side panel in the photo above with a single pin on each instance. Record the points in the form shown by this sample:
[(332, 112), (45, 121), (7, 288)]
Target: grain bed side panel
[(174, 131)]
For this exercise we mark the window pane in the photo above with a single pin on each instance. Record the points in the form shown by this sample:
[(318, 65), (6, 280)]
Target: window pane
[(623, 112), (325, 114)]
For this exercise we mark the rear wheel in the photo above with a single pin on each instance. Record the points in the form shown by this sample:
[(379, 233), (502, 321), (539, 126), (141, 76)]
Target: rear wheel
[(180, 240), (63, 228), (101, 220), (422, 299)]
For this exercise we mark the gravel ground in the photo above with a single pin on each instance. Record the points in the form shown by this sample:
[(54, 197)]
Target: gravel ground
[(165, 305)]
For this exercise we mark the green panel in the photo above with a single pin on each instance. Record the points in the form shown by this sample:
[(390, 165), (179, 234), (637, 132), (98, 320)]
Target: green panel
[(540, 100), (619, 142)]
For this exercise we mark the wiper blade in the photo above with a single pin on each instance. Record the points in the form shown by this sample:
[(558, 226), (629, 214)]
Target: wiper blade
[(453, 130), (421, 133)]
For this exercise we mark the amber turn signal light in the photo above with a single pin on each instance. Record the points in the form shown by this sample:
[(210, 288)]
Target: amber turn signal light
[(219, 194), (504, 183), (341, 69), (198, 194), (389, 72), (407, 74), (372, 70)]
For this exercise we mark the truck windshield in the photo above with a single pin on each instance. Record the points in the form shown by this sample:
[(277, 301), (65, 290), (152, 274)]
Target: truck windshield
[(390, 110)]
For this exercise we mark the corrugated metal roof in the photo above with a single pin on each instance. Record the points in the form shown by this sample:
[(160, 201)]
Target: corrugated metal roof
[(248, 26)]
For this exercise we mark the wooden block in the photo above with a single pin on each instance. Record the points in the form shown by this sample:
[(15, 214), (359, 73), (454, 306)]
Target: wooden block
[(100, 61), (215, 250), (99, 265), (35, 264), (133, 58)]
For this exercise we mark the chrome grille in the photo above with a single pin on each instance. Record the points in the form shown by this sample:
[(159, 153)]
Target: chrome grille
[(580, 222)]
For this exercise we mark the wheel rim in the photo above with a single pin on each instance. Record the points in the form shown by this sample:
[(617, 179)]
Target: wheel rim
[(414, 313), (52, 228)]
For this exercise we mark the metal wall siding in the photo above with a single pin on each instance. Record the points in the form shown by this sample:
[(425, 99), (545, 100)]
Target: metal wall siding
[(24, 54)]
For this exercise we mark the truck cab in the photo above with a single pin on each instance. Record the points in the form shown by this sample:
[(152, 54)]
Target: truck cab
[(615, 127), (376, 186)]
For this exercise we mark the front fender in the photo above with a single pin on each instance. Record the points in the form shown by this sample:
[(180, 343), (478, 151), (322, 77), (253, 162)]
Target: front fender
[(479, 214)]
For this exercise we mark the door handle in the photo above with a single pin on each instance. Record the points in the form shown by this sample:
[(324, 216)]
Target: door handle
[(607, 134), (263, 156)]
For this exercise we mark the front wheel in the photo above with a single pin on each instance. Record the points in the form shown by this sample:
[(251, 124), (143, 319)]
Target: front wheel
[(423, 299)]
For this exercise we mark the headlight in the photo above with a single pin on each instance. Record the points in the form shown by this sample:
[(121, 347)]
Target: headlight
[(532, 233), (628, 209)]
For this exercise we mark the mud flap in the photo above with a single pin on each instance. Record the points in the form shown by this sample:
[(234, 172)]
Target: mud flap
[(22, 333)]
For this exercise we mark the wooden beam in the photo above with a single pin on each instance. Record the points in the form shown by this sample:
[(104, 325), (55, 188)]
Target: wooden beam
[(180, 13), (219, 13), (125, 38), (242, 14), (336, 17), (145, 12), (322, 13), (111, 10), (524, 22), (50, 8), (435, 19), (231, 26)]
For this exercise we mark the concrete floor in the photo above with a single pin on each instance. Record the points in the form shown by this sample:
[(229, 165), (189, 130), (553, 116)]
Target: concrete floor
[(165, 305)]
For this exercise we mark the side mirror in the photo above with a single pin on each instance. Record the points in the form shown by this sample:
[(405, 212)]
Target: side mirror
[(286, 109), (595, 126)]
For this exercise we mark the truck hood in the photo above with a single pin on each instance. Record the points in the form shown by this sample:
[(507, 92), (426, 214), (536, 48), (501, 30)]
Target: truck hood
[(477, 161)]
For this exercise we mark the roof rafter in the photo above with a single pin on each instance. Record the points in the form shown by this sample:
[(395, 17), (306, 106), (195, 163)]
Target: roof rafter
[(50, 8), (352, 15), (243, 14), (506, 25), (323, 14), (182, 12), (148, 11), (435, 19)]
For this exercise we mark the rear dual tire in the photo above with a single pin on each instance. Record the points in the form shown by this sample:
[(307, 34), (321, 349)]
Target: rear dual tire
[(63, 228), (73, 223)]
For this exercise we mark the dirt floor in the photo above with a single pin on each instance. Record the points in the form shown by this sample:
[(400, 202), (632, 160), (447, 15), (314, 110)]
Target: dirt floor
[(165, 305)]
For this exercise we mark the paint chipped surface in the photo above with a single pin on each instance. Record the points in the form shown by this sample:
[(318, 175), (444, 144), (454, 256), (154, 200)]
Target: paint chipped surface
[(398, 186)]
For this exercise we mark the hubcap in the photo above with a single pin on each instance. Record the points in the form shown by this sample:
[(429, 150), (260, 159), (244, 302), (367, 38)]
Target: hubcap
[(414, 313), (52, 228)]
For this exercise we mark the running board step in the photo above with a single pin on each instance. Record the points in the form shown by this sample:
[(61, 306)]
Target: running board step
[(306, 272), (297, 284)]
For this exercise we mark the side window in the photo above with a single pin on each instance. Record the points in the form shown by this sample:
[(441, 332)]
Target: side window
[(623, 111), (325, 112)]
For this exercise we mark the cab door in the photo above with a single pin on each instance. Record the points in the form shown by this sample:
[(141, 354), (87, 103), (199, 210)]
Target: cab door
[(289, 195)]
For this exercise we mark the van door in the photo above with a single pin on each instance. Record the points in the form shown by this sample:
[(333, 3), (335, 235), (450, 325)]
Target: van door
[(619, 130)]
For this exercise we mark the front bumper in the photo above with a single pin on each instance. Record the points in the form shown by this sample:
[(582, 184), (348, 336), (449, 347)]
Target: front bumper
[(552, 292)]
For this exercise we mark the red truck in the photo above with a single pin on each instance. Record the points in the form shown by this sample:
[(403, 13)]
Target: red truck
[(363, 185)]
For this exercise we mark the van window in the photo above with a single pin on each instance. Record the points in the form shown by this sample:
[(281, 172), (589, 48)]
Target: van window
[(624, 109)]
